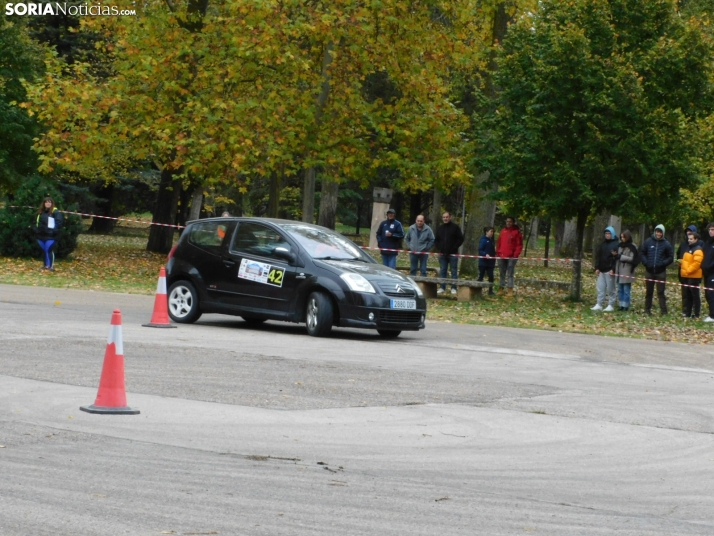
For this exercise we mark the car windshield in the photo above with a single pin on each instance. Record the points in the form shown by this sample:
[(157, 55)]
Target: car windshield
[(325, 244)]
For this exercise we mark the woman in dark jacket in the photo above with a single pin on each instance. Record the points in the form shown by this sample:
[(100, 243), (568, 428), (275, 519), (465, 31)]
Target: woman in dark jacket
[(47, 227), (626, 255)]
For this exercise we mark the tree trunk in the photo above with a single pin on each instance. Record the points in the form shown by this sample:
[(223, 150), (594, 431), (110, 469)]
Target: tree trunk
[(436, 210), (103, 207), (414, 209), (559, 231), (602, 220), (328, 203), (308, 202), (482, 213), (161, 237), (308, 196), (274, 194), (575, 284), (568, 246), (196, 202), (547, 241), (359, 207), (532, 242)]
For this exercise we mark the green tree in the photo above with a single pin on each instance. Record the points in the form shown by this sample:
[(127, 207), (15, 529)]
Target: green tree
[(20, 59), (17, 236), (217, 92), (599, 110)]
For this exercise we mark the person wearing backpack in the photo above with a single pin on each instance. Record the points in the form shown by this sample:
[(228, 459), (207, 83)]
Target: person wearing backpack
[(656, 254), (627, 259), (47, 228)]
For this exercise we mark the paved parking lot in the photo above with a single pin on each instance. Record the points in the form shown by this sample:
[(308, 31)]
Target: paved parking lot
[(243, 430)]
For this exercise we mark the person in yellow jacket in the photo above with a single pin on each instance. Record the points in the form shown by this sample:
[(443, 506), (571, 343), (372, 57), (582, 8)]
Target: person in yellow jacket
[(691, 270)]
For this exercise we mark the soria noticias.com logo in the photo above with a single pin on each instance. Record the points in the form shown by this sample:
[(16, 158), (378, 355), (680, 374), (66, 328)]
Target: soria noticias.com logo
[(64, 8)]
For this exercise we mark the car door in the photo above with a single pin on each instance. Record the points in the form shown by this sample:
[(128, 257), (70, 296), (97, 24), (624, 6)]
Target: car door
[(261, 282), (209, 245)]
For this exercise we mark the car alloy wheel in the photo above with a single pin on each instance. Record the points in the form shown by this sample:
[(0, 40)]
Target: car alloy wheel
[(318, 315), (183, 303)]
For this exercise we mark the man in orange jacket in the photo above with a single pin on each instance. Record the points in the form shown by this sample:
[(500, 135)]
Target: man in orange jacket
[(508, 249)]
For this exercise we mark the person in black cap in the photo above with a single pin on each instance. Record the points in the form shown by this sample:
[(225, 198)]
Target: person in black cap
[(389, 237)]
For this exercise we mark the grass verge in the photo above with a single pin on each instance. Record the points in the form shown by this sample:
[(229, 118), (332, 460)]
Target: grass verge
[(120, 263)]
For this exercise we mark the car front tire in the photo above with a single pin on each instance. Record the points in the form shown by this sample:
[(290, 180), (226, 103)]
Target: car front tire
[(318, 315), (183, 303), (388, 333)]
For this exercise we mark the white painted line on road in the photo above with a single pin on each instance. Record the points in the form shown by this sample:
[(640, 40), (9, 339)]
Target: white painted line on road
[(568, 357), (668, 367), (498, 350)]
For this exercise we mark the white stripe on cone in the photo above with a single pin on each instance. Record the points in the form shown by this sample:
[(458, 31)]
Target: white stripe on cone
[(161, 286), (115, 336)]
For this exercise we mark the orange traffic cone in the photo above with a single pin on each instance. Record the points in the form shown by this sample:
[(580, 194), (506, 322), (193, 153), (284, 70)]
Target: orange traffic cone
[(111, 397), (160, 316)]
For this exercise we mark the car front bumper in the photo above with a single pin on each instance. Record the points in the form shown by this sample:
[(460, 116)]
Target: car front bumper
[(373, 311)]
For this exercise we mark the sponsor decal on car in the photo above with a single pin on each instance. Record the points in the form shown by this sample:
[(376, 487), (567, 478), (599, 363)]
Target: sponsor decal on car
[(261, 272)]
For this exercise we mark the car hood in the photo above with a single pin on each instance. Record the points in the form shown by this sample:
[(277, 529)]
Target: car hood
[(371, 272)]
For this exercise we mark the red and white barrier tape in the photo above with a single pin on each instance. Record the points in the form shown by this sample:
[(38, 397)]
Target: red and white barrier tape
[(663, 282), (460, 255), (463, 256), (111, 218), (124, 219)]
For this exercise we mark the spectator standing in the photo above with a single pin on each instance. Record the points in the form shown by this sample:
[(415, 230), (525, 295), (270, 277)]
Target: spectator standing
[(47, 228), (487, 254), (389, 236), (691, 272), (448, 241), (708, 270), (508, 249), (626, 256), (681, 250), (656, 255), (605, 271), (419, 238)]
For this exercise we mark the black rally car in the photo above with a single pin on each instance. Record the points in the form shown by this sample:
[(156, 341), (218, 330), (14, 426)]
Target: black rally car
[(263, 269)]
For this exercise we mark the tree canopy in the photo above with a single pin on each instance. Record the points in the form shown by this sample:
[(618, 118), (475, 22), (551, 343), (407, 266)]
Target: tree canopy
[(599, 108)]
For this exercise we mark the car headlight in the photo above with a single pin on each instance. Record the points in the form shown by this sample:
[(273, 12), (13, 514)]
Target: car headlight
[(416, 287), (357, 283)]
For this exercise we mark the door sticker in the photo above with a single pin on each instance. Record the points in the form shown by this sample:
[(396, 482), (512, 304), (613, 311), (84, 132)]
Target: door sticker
[(261, 272)]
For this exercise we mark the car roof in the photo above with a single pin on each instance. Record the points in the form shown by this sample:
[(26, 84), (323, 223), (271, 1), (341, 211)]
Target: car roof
[(274, 221)]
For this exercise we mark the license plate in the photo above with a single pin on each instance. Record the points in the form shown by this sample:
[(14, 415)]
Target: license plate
[(402, 304)]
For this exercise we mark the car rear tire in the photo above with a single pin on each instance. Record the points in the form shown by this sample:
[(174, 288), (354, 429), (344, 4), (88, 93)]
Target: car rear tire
[(183, 303), (253, 320), (388, 333), (318, 315)]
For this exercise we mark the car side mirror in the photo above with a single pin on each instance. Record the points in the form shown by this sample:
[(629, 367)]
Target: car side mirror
[(284, 253)]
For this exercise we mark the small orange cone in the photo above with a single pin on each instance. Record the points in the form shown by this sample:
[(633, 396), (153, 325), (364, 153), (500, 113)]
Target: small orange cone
[(160, 316), (111, 397)]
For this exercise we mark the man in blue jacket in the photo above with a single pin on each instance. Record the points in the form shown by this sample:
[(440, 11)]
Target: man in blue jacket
[(656, 254), (389, 236)]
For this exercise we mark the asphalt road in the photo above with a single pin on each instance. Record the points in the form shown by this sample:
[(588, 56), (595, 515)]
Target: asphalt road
[(266, 431)]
